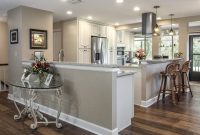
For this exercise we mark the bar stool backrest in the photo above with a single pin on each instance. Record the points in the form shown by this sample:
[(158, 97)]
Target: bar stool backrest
[(170, 69), (186, 66), (177, 65)]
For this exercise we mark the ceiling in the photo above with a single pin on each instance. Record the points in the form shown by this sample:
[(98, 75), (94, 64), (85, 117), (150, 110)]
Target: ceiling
[(107, 11)]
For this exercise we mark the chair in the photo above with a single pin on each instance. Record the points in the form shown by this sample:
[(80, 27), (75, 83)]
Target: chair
[(184, 75), (170, 74)]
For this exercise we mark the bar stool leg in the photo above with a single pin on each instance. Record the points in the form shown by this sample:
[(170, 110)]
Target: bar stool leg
[(164, 89), (189, 84), (176, 90), (173, 89), (161, 88), (183, 82)]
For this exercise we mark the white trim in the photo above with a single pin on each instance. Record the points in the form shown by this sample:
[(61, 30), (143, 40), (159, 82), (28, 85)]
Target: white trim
[(87, 67), (151, 101), (73, 120)]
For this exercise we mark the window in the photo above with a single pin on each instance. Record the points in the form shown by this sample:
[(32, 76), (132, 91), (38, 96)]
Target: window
[(139, 42), (169, 44)]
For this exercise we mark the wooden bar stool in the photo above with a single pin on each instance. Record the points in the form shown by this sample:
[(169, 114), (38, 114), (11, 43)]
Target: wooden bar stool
[(184, 75), (169, 74)]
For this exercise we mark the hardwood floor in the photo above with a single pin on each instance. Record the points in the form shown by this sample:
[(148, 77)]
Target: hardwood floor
[(168, 119), (159, 119)]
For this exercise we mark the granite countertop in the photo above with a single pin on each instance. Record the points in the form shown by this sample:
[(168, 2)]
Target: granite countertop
[(144, 63), (125, 73)]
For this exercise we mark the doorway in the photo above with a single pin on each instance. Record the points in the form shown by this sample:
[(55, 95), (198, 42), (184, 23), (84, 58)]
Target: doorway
[(194, 55)]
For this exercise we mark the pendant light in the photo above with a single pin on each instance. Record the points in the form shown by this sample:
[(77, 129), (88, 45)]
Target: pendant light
[(171, 32), (156, 29)]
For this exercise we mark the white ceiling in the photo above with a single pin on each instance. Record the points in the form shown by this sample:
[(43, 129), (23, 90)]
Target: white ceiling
[(107, 11)]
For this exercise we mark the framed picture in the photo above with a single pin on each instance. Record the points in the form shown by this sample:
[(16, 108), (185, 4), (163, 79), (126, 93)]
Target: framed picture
[(48, 79), (38, 55), (38, 39), (14, 36)]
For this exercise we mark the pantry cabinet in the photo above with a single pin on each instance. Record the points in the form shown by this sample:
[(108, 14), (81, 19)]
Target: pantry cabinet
[(84, 34), (84, 56)]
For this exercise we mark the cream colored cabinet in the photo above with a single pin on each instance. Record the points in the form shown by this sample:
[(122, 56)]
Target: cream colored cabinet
[(84, 56), (120, 38), (128, 41), (103, 31), (112, 56), (84, 34), (111, 36), (99, 30)]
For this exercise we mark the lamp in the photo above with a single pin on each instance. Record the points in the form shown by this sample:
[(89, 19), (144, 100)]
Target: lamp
[(171, 31), (156, 29)]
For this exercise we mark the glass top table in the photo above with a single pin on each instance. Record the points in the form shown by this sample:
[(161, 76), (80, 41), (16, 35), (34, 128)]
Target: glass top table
[(33, 89), (36, 85)]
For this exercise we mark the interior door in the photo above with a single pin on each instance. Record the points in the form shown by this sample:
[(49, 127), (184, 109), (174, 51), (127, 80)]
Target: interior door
[(194, 44), (57, 44)]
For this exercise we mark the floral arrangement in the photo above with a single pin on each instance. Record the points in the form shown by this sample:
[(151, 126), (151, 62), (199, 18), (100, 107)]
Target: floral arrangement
[(179, 54), (140, 54), (40, 67)]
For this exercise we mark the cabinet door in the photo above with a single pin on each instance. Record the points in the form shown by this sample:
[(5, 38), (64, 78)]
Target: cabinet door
[(120, 36), (111, 35), (84, 34), (95, 30), (81, 56), (103, 31), (84, 56), (87, 56), (112, 56)]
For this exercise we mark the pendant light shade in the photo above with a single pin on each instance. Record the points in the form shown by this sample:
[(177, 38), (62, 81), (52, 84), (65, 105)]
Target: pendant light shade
[(156, 29), (171, 31)]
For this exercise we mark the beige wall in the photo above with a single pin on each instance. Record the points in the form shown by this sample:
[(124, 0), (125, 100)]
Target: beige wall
[(3, 42), (183, 33), (14, 50), (24, 18), (36, 19)]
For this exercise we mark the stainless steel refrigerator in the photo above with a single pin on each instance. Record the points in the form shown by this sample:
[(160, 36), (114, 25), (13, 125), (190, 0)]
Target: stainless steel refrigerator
[(99, 50)]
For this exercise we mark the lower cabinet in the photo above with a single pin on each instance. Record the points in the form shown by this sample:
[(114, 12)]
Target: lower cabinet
[(84, 56), (112, 56)]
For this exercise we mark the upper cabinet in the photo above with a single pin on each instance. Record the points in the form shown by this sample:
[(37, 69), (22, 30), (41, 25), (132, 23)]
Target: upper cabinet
[(120, 38), (111, 35), (99, 30), (128, 41), (84, 34)]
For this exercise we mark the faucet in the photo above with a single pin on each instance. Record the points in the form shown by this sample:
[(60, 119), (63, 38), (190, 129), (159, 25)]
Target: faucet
[(61, 55)]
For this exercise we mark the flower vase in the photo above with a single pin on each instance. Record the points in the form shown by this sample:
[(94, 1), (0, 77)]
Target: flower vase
[(36, 78)]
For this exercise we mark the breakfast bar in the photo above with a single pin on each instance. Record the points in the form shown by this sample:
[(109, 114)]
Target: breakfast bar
[(95, 97), (147, 79)]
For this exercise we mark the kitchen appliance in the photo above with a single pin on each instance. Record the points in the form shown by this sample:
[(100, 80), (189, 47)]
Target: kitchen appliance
[(120, 55), (99, 50), (148, 23)]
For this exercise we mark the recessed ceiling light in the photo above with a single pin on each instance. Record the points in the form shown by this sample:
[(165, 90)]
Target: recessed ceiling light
[(69, 12), (119, 1), (136, 8), (90, 17), (63, 0), (135, 28), (116, 24), (159, 18)]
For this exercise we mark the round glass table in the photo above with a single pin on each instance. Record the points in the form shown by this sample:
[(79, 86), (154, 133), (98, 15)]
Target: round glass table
[(31, 109)]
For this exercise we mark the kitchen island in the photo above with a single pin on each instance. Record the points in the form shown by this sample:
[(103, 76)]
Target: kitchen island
[(147, 79), (98, 98)]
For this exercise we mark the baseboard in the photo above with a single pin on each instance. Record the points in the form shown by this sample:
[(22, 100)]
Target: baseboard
[(72, 120), (151, 101)]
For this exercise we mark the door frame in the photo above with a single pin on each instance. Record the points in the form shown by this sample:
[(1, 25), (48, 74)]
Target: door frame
[(191, 36)]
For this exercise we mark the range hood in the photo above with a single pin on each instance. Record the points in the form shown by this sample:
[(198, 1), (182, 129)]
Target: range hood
[(148, 23)]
